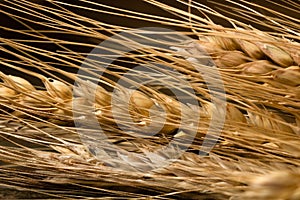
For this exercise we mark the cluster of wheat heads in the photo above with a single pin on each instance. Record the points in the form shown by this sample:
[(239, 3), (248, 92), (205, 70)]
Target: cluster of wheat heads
[(42, 151)]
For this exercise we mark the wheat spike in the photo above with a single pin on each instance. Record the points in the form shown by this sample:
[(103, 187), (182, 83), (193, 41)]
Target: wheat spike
[(50, 143)]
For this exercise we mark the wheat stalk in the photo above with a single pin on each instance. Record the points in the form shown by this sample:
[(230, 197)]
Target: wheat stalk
[(41, 150)]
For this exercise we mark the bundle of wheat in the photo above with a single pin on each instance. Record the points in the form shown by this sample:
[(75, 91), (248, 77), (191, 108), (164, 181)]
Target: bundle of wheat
[(97, 125)]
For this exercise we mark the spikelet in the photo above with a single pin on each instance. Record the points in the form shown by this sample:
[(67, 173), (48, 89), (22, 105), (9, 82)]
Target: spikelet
[(276, 185), (277, 54), (104, 115), (102, 97), (209, 47), (37, 98), (233, 114), (57, 89), (231, 59), (21, 83), (275, 122), (17, 83), (251, 49), (7, 92), (296, 56), (289, 76), (258, 67), (224, 43), (141, 102), (139, 106)]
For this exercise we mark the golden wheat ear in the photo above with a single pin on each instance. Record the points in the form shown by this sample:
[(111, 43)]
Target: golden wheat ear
[(96, 126)]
